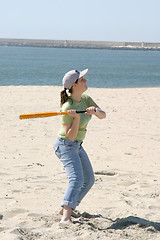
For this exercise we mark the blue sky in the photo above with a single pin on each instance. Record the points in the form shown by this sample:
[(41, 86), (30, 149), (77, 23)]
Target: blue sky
[(95, 20)]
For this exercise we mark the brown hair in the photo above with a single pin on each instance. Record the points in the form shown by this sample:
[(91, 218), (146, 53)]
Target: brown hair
[(64, 96)]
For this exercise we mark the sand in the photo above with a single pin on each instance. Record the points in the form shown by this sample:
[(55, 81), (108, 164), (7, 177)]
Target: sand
[(124, 149)]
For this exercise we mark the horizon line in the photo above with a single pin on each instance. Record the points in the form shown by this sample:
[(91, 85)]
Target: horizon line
[(47, 39), (121, 45)]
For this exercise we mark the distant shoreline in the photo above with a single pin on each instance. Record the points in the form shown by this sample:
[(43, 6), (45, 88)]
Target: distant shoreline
[(80, 44)]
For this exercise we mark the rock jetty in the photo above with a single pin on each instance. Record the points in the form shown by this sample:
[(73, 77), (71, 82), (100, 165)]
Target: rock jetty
[(79, 44)]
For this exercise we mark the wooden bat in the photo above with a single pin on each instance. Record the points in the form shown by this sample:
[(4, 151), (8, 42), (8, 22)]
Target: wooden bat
[(44, 114)]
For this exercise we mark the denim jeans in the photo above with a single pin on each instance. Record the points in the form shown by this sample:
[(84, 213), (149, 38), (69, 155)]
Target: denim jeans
[(78, 169)]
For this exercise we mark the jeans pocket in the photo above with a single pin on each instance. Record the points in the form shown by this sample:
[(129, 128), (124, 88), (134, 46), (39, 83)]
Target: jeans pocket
[(57, 151)]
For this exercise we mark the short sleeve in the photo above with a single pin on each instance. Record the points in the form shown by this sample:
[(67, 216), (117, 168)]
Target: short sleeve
[(65, 119), (90, 102)]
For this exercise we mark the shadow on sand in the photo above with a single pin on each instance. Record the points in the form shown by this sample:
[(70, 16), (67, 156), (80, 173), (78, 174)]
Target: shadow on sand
[(122, 223)]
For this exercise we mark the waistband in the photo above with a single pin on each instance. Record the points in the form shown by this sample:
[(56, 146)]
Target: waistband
[(69, 142)]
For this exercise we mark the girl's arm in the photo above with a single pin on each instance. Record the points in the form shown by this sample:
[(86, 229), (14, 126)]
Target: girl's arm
[(97, 111), (71, 130)]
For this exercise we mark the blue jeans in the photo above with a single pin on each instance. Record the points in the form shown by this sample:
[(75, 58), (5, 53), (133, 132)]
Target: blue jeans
[(78, 169)]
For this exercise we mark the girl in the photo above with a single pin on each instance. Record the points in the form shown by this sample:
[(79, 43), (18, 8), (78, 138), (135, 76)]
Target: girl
[(68, 146)]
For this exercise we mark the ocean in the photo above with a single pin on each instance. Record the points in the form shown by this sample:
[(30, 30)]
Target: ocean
[(107, 68)]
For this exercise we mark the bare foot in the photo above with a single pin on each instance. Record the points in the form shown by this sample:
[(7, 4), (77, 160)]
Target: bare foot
[(61, 211), (66, 221), (66, 212), (65, 224), (73, 214)]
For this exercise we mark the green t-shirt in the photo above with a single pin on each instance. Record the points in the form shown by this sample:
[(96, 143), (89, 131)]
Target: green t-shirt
[(86, 101)]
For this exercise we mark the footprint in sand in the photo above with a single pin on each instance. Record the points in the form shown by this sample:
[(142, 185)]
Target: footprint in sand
[(105, 173)]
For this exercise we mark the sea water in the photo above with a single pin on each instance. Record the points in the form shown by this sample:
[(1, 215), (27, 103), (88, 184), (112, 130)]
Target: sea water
[(107, 68)]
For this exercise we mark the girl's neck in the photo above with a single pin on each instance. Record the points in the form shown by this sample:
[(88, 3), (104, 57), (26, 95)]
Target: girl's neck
[(76, 96)]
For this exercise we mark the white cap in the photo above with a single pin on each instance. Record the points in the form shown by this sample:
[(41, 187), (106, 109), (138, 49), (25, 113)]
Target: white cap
[(72, 76)]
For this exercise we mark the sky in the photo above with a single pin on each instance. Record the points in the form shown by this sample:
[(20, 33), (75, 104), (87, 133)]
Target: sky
[(88, 20)]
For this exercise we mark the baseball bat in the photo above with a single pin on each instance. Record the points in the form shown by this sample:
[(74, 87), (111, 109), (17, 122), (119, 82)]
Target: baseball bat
[(44, 114)]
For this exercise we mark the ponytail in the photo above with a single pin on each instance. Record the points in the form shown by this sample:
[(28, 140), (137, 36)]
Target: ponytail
[(64, 96)]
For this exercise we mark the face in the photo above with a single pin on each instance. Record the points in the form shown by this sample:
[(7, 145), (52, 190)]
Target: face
[(82, 84)]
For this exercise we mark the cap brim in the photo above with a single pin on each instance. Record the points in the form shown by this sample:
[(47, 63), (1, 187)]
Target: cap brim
[(83, 73)]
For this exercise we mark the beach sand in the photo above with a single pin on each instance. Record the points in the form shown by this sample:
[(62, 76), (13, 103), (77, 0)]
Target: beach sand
[(124, 149)]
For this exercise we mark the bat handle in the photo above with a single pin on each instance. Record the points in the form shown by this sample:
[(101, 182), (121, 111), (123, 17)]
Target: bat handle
[(81, 111)]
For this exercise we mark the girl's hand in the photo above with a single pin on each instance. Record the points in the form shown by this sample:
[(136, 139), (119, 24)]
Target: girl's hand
[(72, 113), (91, 110)]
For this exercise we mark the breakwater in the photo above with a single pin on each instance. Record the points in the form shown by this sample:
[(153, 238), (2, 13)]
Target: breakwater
[(80, 44)]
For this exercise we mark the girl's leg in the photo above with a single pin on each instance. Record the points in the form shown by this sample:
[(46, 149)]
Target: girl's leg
[(74, 172), (66, 217), (88, 175), (80, 175), (69, 156), (73, 213)]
